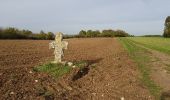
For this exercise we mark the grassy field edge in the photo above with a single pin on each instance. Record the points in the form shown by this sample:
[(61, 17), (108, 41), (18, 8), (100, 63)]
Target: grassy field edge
[(155, 43), (141, 57)]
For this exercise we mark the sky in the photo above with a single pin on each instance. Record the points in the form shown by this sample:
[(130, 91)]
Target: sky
[(137, 17)]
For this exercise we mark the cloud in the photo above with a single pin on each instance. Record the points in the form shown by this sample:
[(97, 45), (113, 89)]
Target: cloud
[(70, 16)]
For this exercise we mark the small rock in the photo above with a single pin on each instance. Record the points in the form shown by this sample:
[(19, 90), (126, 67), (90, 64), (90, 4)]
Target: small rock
[(36, 81), (12, 93), (70, 63), (94, 93), (69, 88), (122, 98), (107, 84), (30, 72), (149, 96), (102, 95), (74, 66), (165, 71)]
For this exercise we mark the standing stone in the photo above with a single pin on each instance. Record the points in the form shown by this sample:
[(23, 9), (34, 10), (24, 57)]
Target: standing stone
[(58, 45)]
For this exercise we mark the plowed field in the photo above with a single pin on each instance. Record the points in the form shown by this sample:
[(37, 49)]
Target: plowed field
[(111, 74)]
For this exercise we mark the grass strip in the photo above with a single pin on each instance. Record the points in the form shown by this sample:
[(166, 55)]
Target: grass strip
[(55, 70), (58, 70), (142, 58), (159, 44)]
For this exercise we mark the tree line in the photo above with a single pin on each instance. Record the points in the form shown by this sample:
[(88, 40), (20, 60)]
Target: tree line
[(14, 33), (104, 33)]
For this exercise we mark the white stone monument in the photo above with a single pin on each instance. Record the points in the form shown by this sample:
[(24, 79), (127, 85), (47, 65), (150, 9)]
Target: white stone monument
[(58, 45)]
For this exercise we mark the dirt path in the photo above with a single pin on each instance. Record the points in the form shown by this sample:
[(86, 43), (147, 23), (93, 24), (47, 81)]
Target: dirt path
[(111, 74), (159, 62)]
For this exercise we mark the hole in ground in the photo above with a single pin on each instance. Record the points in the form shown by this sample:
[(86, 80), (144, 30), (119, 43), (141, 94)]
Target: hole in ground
[(165, 95), (83, 71)]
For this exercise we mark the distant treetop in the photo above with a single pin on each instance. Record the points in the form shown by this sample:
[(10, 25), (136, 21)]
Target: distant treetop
[(167, 27)]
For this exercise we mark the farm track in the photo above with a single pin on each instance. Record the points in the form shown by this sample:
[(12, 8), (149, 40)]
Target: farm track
[(111, 74), (159, 62)]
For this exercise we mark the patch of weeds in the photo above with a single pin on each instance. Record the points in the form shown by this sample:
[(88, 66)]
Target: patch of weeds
[(165, 95), (142, 57), (81, 64), (49, 95), (93, 66), (167, 68), (55, 70), (42, 91)]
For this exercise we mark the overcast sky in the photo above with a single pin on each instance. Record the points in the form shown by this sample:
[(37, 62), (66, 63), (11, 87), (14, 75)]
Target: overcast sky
[(137, 17)]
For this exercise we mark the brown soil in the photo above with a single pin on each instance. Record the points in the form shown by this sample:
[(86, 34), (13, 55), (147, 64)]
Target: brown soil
[(110, 73)]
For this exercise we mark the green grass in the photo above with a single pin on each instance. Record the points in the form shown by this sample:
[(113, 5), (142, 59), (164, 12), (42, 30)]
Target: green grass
[(80, 64), (58, 70), (55, 70), (157, 43), (142, 57)]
